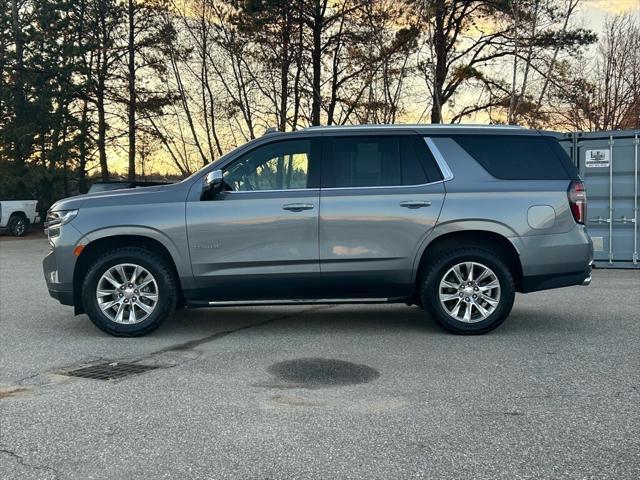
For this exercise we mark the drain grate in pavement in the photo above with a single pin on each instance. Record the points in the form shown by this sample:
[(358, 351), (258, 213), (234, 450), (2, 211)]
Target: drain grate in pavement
[(109, 371)]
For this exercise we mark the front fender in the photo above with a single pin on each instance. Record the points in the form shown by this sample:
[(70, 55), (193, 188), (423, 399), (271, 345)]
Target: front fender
[(179, 253)]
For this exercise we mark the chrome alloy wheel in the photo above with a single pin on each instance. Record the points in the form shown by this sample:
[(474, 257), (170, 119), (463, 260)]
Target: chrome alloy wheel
[(127, 293), (469, 292)]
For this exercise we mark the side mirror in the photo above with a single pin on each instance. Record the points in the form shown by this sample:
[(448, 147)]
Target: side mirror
[(213, 182)]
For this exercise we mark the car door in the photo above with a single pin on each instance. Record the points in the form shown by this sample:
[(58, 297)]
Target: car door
[(381, 196), (258, 239)]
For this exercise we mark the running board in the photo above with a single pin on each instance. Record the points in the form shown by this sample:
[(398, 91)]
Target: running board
[(244, 303)]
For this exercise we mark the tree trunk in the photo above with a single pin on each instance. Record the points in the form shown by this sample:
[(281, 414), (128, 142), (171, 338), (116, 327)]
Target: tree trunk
[(102, 129), (440, 70), (316, 59), (298, 63), (19, 98), (82, 150), (284, 74), (132, 93)]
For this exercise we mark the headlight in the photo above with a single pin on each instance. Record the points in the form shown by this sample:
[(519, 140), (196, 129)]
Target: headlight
[(56, 219)]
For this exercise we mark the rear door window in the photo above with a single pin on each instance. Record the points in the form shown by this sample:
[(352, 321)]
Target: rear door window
[(373, 161), (515, 157)]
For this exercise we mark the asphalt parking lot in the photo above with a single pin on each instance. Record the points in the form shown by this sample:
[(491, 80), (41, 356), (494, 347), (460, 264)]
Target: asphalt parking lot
[(260, 393)]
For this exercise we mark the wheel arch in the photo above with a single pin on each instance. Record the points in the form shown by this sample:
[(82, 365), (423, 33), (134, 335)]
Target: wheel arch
[(93, 249), (490, 239)]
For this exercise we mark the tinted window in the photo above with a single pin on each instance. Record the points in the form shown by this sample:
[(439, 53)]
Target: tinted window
[(563, 157), (513, 157), (277, 166), (425, 158), (372, 162)]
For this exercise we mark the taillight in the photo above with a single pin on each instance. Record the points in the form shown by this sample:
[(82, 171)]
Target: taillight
[(577, 196)]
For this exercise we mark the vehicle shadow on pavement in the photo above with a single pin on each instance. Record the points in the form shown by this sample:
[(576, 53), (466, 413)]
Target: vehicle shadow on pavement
[(344, 319), (310, 320), (350, 320)]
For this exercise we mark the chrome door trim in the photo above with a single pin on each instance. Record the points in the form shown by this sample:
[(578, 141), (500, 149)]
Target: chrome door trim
[(447, 174), (297, 301), (310, 190)]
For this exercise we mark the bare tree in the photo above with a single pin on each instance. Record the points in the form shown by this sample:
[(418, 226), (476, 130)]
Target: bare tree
[(616, 89), (104, 20), (542, 31), (145, 41), (276, 30), (603, 95), (460, 41)]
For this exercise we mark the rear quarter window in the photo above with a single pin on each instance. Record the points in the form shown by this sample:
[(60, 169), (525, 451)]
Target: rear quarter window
[(518, 157)]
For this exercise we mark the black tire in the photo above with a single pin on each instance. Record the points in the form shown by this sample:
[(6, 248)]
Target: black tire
[(18, 225), (436, 270), (156, 265)]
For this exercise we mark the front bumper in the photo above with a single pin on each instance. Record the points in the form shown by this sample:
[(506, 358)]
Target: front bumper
[(64, 297), (59, 264), (60, 290)]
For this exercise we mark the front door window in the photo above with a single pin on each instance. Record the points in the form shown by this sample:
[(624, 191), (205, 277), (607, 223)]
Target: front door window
[(277, 166)]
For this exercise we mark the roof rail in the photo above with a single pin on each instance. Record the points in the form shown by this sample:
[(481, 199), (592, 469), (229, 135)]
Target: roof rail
[(270, 130), (414, 125)]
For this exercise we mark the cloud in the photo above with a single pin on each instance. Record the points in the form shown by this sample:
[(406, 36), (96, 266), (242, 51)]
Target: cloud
[(612, 6)]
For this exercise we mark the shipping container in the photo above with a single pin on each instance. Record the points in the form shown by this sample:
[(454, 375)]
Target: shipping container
[(608, 164)]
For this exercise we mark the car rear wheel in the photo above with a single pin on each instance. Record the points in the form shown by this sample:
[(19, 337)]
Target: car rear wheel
[(129, 292), (18, 225), (468, 290)]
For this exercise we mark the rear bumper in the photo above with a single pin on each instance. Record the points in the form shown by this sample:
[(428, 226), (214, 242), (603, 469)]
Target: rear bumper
[(555, 261), (549, 281)]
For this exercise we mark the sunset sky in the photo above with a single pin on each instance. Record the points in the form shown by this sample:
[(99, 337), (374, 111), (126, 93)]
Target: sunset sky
[(592, 15), (594, 12)]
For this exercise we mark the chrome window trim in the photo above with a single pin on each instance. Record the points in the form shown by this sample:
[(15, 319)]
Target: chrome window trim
[(333, 188), (274, 191), (447, 174), (381, 186)]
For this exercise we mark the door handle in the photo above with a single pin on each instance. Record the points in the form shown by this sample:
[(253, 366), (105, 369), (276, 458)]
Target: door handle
[(297, 207), (415, 204)]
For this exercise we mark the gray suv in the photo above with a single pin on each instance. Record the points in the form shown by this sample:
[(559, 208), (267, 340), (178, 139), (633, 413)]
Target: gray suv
[(455, 219)]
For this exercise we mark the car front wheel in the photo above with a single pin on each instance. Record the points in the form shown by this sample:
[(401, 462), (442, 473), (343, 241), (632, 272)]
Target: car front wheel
[(468, 290), (129, 292)]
